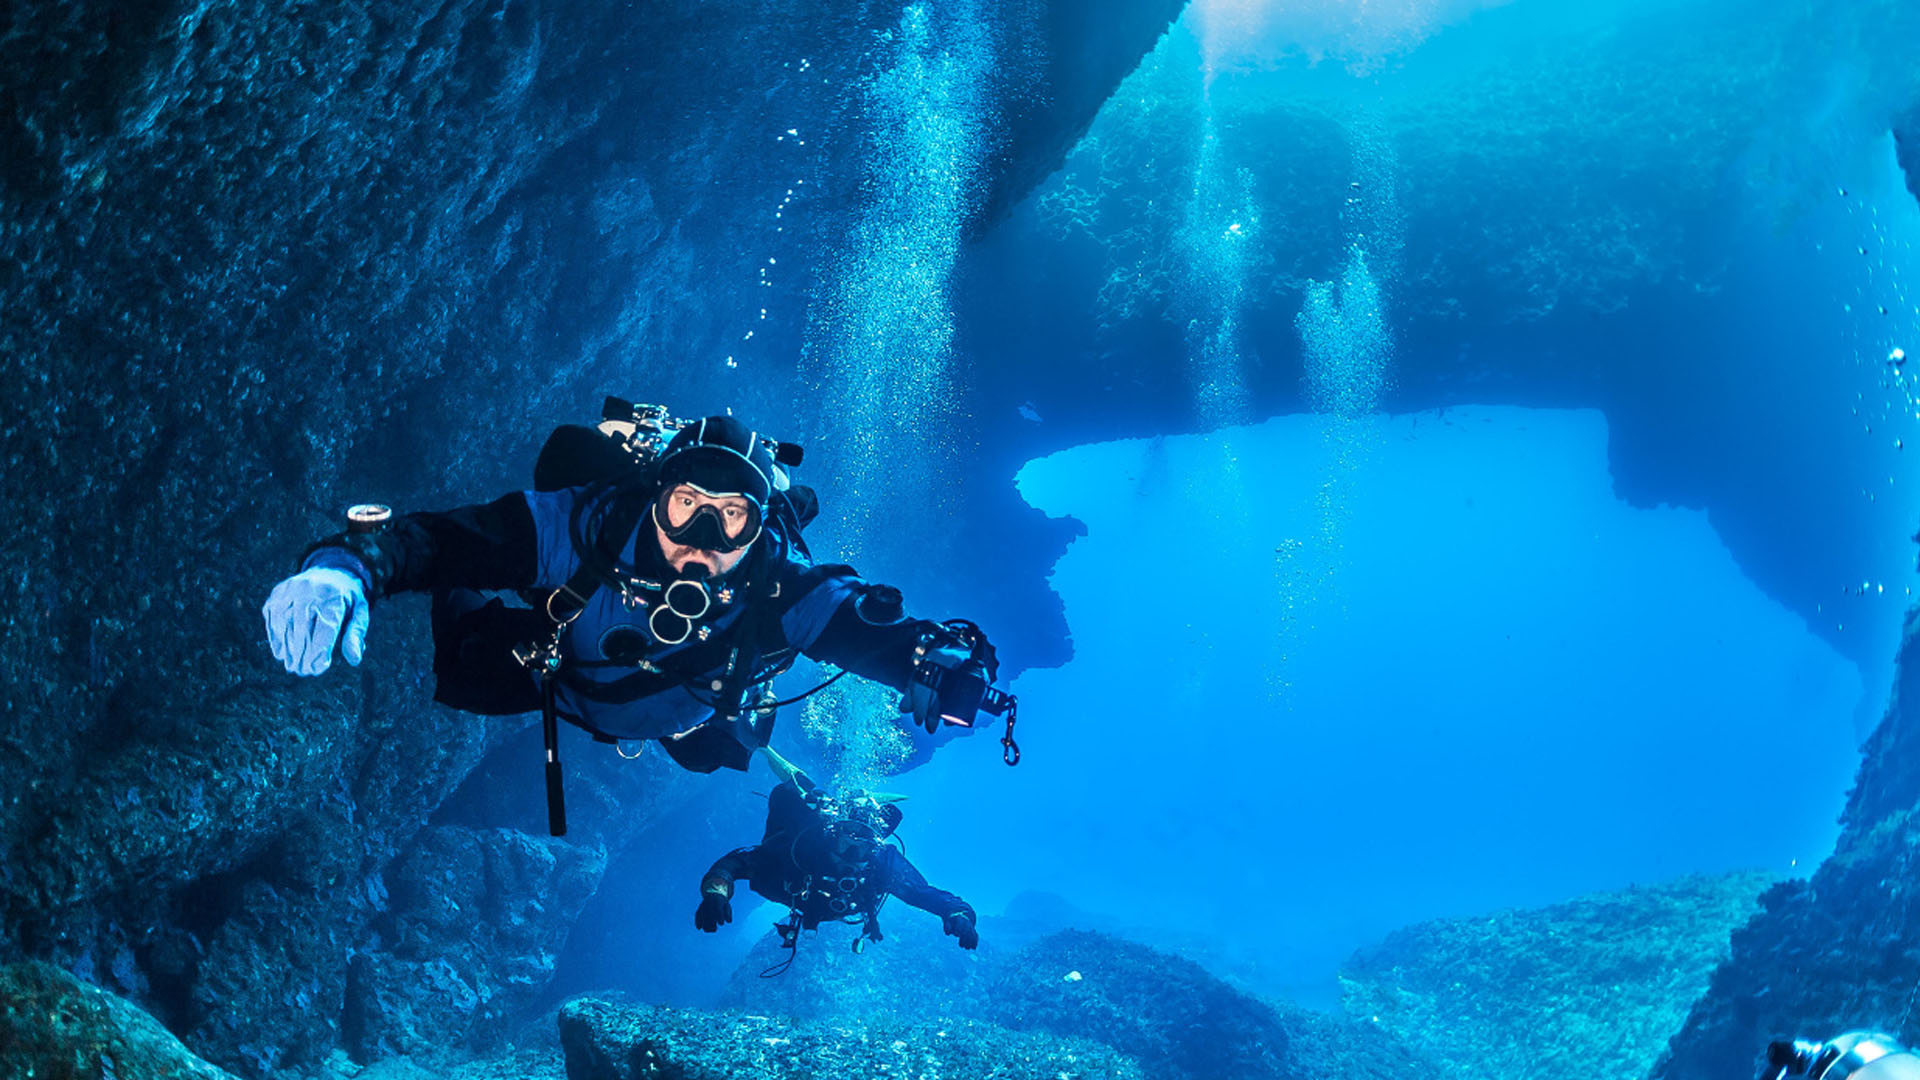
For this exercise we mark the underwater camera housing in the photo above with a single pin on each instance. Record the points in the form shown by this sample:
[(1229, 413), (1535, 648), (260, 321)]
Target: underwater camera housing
[(951, 681)]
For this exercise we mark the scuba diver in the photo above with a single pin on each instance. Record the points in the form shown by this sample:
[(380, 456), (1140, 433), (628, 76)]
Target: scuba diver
[(665, 584), (826, 859)]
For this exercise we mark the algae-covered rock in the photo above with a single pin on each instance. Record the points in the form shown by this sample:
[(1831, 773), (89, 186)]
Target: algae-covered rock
[(1594, 986), (1324, 1045), (1169, 1013), (477, 918), (1176, 1017), (55, 1027), (608, 1041)]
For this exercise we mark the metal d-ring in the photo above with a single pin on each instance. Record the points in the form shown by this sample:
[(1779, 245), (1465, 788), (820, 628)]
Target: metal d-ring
[(679, 588)]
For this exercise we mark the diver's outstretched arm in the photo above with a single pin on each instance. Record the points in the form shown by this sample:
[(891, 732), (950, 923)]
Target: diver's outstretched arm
[(890, 649), (492, 546), (956, 915), (522, 540), (882, 652), (716, 889)]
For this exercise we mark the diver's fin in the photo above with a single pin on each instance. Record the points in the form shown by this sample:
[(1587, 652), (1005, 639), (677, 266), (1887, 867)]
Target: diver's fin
[(787, 771)]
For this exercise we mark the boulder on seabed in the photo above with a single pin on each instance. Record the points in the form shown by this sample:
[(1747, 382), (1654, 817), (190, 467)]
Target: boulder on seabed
[(55, 1027), (606, 1040)]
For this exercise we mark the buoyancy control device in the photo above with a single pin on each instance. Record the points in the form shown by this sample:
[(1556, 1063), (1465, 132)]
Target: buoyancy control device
[(477, 660)]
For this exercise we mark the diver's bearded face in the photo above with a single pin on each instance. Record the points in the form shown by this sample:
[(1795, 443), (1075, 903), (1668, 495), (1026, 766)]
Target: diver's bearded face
[(680, 505)]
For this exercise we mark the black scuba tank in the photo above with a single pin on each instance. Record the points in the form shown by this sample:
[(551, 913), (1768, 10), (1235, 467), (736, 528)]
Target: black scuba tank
[(625, 445)]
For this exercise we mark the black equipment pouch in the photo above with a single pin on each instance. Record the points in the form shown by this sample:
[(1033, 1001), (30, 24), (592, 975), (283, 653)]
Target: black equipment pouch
[(576, 456), (474, 670)]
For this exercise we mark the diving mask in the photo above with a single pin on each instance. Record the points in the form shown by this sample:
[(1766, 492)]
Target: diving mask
[(690, 515)]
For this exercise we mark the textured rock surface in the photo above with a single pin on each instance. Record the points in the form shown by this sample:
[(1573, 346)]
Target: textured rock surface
[(477, 917), (916, 971), (1838, 951), (1167, 1013), (605, 1041), (1594, 986), (55, 1027)]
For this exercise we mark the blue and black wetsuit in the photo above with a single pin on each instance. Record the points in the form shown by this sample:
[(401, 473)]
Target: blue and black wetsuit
[(616, 679), (788, 869)]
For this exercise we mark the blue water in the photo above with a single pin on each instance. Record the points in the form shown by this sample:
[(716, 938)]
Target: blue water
[(1346, 655)]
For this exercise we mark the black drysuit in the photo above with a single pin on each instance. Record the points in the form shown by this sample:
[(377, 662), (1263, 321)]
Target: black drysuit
[(618, 679), (790, 867)]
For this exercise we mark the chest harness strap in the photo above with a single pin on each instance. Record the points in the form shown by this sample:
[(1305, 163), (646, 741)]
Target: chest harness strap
[(543, 658)]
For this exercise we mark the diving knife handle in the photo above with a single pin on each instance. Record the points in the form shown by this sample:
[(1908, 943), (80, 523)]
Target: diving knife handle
[(556, 801)]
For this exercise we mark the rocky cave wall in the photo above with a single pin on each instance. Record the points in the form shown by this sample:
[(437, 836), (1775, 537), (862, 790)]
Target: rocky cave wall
[(263, 260)]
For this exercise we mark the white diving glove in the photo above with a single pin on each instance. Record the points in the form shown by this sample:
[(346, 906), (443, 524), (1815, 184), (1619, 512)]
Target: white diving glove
[(305, 613)]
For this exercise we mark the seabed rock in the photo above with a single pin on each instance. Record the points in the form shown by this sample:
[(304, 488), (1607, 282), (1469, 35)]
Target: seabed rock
[(55, 1027), (478, 916), (1591, 987), (1169, 1013), (609, 1041), (916, 966)]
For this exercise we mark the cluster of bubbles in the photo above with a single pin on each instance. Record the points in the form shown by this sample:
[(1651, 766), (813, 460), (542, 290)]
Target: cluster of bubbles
[(1882, 308), (1343, 328), (1347, 351), (880, 345), (1214, 246), (1347, 346), (882, 341), (856, 727), (1217, 239)]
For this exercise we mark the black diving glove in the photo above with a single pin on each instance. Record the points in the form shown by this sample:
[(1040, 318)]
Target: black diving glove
[(960, 925), (715, 911)]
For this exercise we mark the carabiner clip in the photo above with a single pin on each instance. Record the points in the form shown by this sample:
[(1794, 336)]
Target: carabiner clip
[(1010, 750)]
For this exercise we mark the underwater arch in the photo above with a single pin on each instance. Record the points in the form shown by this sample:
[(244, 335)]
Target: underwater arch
[(1490, 682)]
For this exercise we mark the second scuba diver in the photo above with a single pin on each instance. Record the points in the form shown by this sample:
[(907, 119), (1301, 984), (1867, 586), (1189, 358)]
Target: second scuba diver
[(826, 859)]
